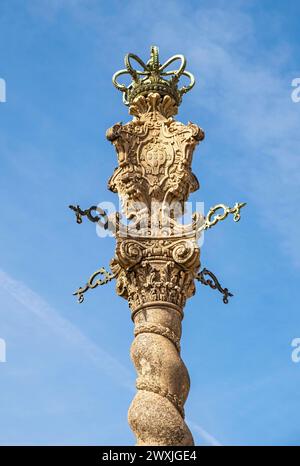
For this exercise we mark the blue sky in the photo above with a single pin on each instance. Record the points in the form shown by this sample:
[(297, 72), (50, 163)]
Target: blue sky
[(68, 378)]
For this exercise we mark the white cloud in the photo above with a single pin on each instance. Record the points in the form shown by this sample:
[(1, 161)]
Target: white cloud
[(247, 87), (206, 437)]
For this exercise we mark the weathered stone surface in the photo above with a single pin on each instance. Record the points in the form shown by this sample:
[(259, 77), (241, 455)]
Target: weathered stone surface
[(157, 422), (156, 260)]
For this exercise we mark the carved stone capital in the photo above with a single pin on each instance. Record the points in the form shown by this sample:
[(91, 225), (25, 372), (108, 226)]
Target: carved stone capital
[(156, 270)]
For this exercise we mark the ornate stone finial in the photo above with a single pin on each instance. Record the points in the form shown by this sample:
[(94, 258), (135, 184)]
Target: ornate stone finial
[(153, 77)]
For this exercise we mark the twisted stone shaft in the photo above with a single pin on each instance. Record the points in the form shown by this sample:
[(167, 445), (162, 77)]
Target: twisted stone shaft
[(156, 414)]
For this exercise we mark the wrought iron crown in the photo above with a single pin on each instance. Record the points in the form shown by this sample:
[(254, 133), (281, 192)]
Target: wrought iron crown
[(153, 77)]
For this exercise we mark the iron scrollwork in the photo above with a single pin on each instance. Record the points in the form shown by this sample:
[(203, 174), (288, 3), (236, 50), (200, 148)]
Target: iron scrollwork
[(107, 277), (211, 219), (88, 213), (214, 283)]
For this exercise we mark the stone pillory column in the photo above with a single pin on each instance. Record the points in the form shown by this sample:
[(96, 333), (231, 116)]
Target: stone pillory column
[(157, 257), (155, 266)]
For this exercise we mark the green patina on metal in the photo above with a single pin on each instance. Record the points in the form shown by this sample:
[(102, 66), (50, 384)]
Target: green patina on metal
[(153, 77)]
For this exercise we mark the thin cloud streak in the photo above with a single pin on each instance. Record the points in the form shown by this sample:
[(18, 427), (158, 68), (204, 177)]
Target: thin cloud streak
[(206, 436), (67, 330), (101, 358)]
